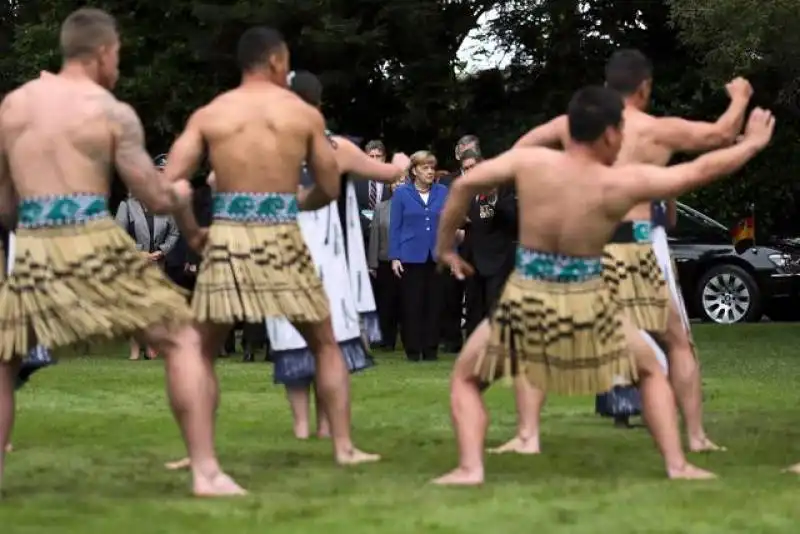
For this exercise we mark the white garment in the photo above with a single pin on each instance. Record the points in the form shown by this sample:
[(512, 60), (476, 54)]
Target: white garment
[(424, 196), (357, 257), (661, 248), (10, 252), (322, 231)]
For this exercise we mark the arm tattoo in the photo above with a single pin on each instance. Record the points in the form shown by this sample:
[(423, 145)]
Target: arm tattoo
[(132, 160)]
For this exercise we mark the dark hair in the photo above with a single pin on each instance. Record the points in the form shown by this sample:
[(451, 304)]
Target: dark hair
[(375, 144), (84, 31), (256, 45), (626, 70), (591, 111), (307, 86)]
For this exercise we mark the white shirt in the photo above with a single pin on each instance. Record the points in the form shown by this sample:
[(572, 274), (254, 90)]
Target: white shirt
[(424, 196)]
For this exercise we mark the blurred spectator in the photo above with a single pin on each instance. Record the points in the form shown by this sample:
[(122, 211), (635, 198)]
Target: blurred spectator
[(370, 193), (453, 290), (387, 286), (413, 223), (155, 235), (491, 239)]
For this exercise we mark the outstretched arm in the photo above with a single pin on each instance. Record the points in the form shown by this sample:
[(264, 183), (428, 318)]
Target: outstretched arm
[(183, 161), (135, 165), (484, 177), (680, 135), (553, 134), (639, 183), (351, 158)]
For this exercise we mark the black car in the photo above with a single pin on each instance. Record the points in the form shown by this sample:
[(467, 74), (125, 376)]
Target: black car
[(722, 286)]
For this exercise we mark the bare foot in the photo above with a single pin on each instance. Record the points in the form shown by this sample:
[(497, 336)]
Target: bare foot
[(9, 448), (323, 433), (689, 472), (518, 445), (355, 456), (704, 445), (220, 485), (301, 431), (183, 463), (460, 477), (134, 358), (793, 469)]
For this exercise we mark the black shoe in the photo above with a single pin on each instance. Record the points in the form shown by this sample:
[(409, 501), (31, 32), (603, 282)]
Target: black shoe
[(248, 357), (622, 421), (413, 356), (430, 355), (223, 354), (451, 348)]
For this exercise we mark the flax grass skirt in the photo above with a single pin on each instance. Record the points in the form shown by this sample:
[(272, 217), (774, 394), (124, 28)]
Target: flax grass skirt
[(75, 283), (637, 282), (253, 271), (563, 337)]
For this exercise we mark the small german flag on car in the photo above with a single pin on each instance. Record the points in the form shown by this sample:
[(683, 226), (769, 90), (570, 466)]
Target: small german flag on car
[(744, 232)]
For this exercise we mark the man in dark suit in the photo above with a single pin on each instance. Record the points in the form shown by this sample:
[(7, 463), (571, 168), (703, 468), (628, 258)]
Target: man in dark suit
[(370, 193), (453, 289), (492, 236)]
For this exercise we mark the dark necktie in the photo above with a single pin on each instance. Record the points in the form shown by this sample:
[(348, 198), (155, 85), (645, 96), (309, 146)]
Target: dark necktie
[(373, 195)]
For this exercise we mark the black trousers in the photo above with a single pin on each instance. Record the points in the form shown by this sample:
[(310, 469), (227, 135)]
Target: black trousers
[(452, 311), (483, 292), (422, 310), (387, 299), (254, 337)]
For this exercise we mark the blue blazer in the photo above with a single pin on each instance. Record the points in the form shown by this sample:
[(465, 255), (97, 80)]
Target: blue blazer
[(413, 225)]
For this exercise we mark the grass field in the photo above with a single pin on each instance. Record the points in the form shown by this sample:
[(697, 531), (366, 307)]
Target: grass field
[(93, 433)]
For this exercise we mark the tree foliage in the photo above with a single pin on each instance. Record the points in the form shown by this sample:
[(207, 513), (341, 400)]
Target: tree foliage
[(389, 68)]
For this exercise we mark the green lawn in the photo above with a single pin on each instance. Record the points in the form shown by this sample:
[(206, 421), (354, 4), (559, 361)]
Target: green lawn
[(92, 435)]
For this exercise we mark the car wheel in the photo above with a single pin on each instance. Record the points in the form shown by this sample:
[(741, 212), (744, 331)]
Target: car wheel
[(727, 294)]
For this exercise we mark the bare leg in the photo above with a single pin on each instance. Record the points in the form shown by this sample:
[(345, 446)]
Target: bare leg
[(793, 469), (468, 412), (333, 389), (530, 402), (658, 408), (323, 424), (194, 396), (299, 402), (134, 350), (684, 374), (8, 374)]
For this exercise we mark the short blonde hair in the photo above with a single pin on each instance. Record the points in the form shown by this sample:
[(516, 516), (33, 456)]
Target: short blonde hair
[(421, 157), (86, 30)]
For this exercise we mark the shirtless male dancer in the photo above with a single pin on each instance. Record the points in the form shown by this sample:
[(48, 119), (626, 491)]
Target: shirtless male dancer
[(255, 263), (651, 140), (77, 275), (556, 323)]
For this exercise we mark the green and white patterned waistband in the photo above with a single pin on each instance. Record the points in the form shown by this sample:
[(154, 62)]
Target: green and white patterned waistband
[(633, 232), (272, 208), (61, 210), (535, 265)]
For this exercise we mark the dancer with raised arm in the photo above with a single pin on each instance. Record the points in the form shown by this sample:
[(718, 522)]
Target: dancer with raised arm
[(557, 324), (637, 276)]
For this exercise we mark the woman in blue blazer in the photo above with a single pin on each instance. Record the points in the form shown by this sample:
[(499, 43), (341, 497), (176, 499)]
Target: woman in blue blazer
[(414, 222)]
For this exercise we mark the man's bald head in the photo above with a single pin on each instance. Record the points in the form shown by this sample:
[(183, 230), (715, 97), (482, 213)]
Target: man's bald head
[(86, 31)]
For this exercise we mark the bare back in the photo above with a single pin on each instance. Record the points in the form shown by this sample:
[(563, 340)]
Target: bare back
[(258, 139), (568, 211), (58, 137), (640, 145)]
